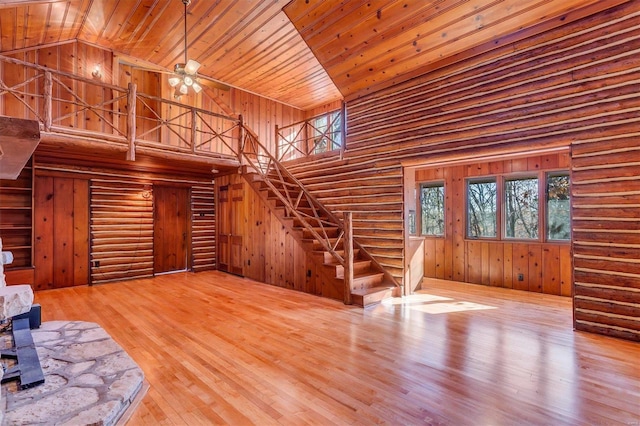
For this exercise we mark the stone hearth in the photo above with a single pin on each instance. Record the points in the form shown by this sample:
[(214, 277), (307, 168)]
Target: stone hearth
[(89, 379)]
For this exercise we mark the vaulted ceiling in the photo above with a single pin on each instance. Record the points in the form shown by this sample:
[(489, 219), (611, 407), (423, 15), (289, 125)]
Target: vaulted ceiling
[(303, 53)]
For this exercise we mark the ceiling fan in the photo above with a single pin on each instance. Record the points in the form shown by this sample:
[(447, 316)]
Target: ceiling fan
[(185, 74)]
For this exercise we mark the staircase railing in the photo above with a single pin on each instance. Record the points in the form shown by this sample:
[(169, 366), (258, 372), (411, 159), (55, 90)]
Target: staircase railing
[(292, 193)]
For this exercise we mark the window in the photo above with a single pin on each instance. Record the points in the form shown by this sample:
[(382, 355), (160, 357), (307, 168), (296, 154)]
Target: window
[(558, 207), (432, 208), (482, 209), (521, 208), (327, 132)]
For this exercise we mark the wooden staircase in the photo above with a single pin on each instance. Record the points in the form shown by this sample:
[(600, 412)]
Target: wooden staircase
[(321, 235)]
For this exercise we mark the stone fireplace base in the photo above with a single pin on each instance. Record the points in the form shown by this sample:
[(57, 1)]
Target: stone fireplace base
[(89, 379)]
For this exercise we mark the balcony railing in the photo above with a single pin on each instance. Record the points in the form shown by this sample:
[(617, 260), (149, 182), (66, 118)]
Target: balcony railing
[(316, 135), (71, 106)]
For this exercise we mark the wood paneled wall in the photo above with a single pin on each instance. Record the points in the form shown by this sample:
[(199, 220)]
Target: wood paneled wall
[(61, 232), (73, 57), (270, 254), (545, 266), (575, 83)]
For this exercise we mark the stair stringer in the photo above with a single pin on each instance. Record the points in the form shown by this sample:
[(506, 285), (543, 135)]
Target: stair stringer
[(332, 287)]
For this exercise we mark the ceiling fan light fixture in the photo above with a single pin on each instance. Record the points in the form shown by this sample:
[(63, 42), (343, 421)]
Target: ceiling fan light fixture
[(185, 74), (191, 67)]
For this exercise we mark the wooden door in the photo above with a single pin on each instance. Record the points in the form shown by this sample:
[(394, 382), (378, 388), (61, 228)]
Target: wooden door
[(61, 232), (230, 224), (170, 229)]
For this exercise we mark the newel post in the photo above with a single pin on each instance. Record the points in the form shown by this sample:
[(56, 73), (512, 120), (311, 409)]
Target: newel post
[(131, 121), (194, 130), (48, 108), (348, 257)]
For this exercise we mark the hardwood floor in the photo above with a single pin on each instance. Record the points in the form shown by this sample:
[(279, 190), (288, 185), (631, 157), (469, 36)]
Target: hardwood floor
[(218, 349)]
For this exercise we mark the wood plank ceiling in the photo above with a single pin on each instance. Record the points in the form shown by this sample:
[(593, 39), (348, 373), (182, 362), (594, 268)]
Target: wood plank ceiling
[(310, 53)]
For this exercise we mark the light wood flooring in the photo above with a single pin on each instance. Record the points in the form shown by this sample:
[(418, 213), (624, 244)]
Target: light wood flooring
[(218, 349)]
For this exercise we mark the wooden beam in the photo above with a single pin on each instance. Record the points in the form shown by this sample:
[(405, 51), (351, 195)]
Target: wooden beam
[(18, 139)]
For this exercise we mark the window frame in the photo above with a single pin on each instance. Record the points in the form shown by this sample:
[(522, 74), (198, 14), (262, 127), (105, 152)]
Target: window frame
[(432, 184), (541, 187), (547, 175), (498, 214)]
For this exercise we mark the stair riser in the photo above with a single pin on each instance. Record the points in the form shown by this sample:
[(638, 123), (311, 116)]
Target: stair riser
[(368, 281), (358, 269), (370, 299)]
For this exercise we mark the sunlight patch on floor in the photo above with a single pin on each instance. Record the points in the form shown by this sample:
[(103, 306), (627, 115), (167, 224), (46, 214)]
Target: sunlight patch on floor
[(415, 299), (449, 307), (432, 304)]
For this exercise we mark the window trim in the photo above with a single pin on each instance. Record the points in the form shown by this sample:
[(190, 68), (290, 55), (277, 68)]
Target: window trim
[(541, 225), (483, 179), (547, 175), (432, 184)]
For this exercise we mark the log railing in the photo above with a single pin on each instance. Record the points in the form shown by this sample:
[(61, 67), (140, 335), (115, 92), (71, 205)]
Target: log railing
[(316, 135), (72, 106)]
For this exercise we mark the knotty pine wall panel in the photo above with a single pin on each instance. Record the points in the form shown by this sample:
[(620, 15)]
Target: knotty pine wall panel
[(574, 83), (270, 253), (61, 231)]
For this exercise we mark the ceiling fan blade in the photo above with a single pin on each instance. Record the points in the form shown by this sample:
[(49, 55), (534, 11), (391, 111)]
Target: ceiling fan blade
[(191, 67)]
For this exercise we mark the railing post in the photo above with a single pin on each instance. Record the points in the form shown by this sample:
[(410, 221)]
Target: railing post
[(48, 101), (277, 139), (348, 257), (240, 135), (194, 116), (131, 121), (343, 128)]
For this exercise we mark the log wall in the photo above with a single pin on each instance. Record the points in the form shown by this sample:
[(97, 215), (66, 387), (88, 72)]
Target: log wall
[(572, 84), (121, 229), (606, 235)]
